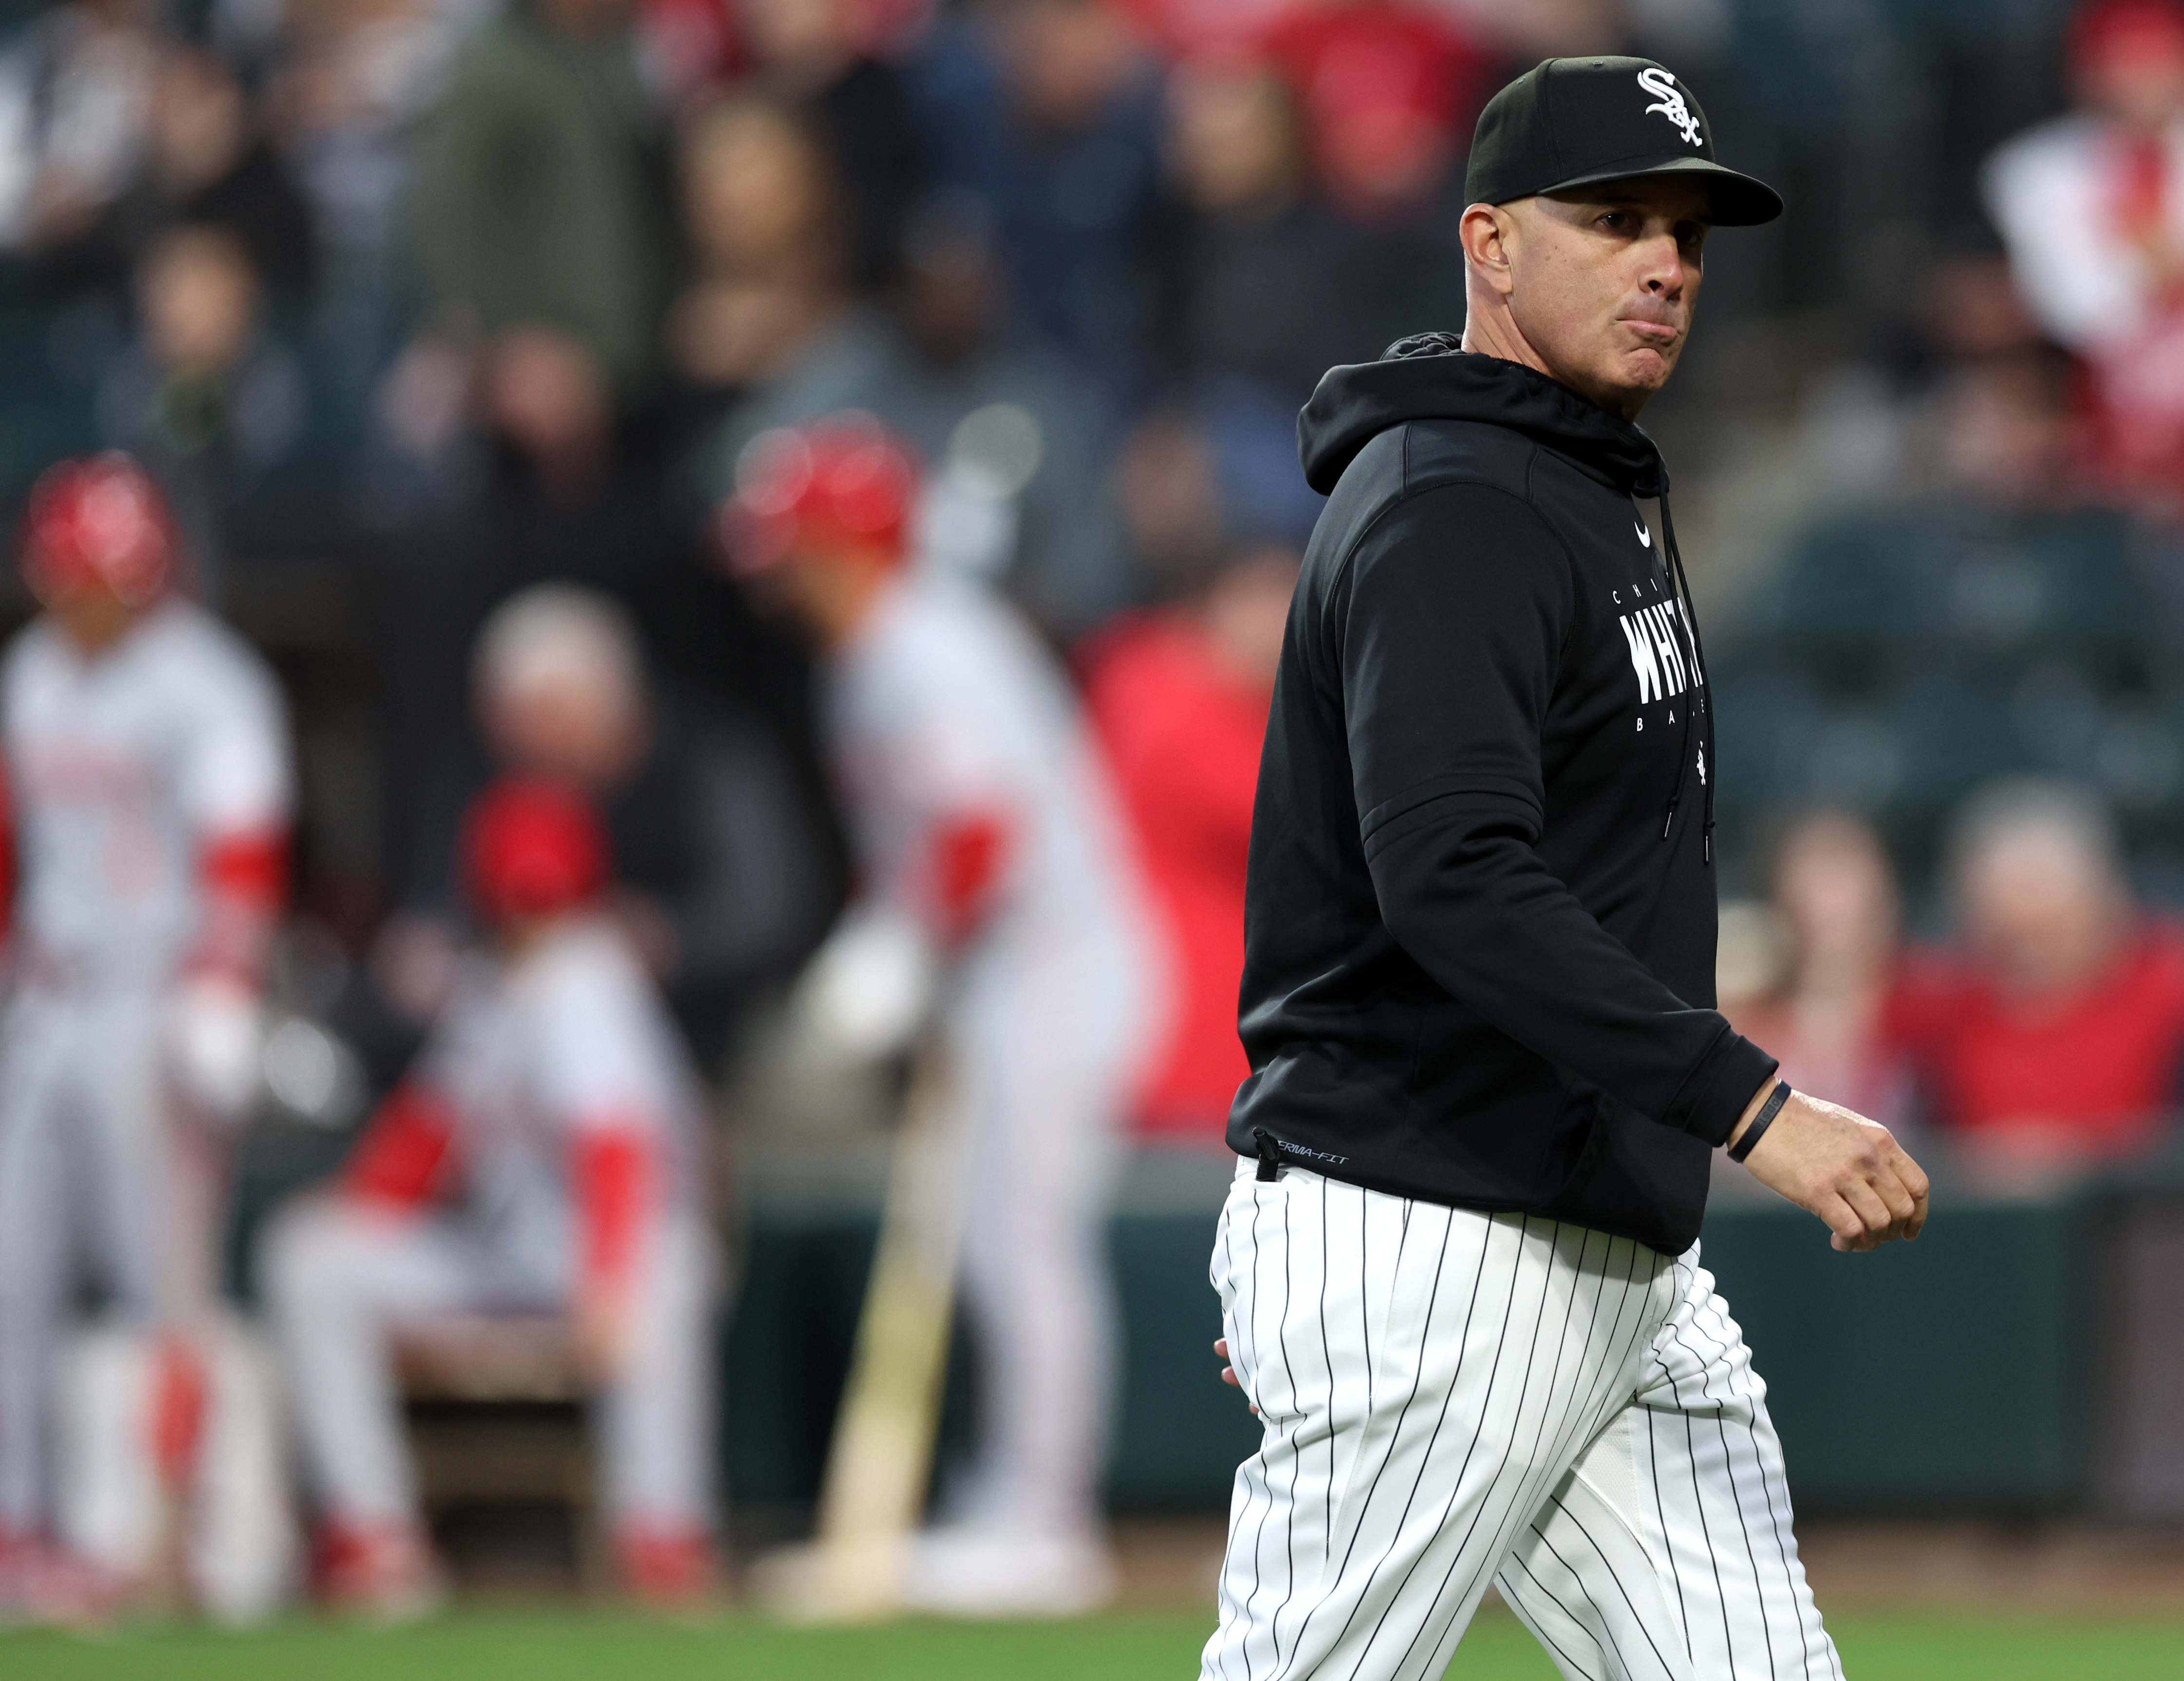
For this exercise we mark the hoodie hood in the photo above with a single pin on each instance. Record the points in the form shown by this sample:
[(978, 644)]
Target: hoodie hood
[(1429, 377)]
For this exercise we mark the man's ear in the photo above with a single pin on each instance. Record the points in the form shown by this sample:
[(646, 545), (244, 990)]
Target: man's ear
[(1487, 232)]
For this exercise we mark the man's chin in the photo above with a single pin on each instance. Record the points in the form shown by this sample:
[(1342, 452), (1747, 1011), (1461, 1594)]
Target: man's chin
[(1636, 374)]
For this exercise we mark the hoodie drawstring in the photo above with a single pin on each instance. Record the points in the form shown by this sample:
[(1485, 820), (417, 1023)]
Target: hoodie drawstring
[(1704, 754)]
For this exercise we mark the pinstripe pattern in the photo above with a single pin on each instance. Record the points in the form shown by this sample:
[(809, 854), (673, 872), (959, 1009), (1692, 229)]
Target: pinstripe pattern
[(1452, 1398)]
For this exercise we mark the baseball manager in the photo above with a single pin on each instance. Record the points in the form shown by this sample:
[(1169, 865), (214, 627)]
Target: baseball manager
[(1459, 1269)]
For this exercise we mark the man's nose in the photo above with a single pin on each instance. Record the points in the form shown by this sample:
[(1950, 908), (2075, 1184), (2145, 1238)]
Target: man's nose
[(1664, 266)]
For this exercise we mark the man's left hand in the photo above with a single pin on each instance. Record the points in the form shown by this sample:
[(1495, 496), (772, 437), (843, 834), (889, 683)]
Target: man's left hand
[(1228, 1372)]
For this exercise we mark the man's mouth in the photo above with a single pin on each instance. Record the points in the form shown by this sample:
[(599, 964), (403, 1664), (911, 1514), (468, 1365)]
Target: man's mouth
[(1658, 333)]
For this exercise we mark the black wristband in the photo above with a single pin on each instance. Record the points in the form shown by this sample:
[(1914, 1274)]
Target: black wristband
[(1761, 1121)]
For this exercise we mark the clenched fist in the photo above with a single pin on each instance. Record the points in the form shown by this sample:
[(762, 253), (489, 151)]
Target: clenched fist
[(1846, 1169)]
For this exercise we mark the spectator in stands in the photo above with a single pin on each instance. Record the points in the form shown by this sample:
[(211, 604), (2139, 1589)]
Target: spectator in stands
[(1202, 30), (1016, 496), (540, 198), (1273, 288), (1827, 1014), (353, 79), (816, 54), (178, 142), (2052, 1036), (550, 401), (79, 96), (1178, 698), (720, 883), (763, 205), (545, 1157), (1992, 422), (1049, 111), (1167, 481), (2092, 206), (2002, 436), (206, 398), (211, 164), (1390, 88)]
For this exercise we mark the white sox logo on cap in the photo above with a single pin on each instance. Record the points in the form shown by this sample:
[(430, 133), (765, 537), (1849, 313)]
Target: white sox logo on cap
[(1663, 86)]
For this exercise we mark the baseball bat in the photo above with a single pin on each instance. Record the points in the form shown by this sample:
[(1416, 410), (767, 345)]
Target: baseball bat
[(882, 1453)]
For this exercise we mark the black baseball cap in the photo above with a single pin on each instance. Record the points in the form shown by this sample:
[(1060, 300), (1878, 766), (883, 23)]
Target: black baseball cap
[(1576, 122)]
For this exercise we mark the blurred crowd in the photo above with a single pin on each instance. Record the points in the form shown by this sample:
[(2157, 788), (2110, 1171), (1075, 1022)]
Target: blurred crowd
[(1951, 703), (752, 518)]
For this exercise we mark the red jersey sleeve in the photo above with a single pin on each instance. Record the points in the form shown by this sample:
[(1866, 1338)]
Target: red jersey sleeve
[(243, 880), (612, 1167), (971, 853), (406, 1155), (7, 856)]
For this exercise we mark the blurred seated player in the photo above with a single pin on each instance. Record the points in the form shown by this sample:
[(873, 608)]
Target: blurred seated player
[(148, 782), (996, 901), (1839, 921), (542, 1156), (1179, 699), (2052, 1036), (719, 876)]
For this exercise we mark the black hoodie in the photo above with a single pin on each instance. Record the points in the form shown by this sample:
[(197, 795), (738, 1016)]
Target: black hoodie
[(1480, 928)]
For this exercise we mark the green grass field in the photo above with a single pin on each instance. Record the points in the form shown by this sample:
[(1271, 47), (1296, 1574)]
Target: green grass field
[(579, 1646)]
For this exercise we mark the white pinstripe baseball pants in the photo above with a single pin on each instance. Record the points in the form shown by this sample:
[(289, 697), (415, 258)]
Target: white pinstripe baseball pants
[(1452, 1398)]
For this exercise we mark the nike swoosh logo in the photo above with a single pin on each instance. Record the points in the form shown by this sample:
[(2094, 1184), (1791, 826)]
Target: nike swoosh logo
[(1644, 535)]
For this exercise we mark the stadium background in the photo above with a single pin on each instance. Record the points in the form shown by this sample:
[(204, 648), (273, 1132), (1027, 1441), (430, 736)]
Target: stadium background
[(1918, 571)]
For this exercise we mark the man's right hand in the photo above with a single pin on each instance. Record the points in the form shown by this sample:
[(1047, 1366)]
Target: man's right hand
[(1841, 1167)]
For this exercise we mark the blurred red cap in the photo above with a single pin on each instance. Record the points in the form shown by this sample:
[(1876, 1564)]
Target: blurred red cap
[(532, 849), (2107, 29), (844, 480), (100, 519)]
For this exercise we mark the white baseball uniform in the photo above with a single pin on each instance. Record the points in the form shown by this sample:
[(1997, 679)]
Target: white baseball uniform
[(945, 711), (1452, 1398), (2065, 173), (136, 776), (564, 1047), (2112, 302)]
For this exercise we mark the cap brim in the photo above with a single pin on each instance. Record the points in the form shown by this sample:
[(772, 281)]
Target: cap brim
[(1739, 201)]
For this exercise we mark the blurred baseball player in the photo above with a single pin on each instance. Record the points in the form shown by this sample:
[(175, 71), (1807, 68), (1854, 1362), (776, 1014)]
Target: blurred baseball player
[(149, 784), (996, 899), (542, 1156)]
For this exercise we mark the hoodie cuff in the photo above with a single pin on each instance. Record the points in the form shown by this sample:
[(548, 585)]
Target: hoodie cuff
[(1722, 1085)]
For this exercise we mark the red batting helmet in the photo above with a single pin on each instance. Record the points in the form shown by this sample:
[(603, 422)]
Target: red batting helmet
[(2108, 30), (532, 849), (844, 480), (102, 521)]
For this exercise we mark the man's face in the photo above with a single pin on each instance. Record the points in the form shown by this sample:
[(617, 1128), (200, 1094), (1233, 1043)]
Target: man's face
[(578, 724), (1601, 282), (2040, 908), (94, 616), (826, 588)]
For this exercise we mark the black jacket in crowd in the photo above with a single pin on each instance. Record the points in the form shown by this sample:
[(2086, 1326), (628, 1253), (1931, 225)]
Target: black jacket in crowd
[(1479, 929)]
